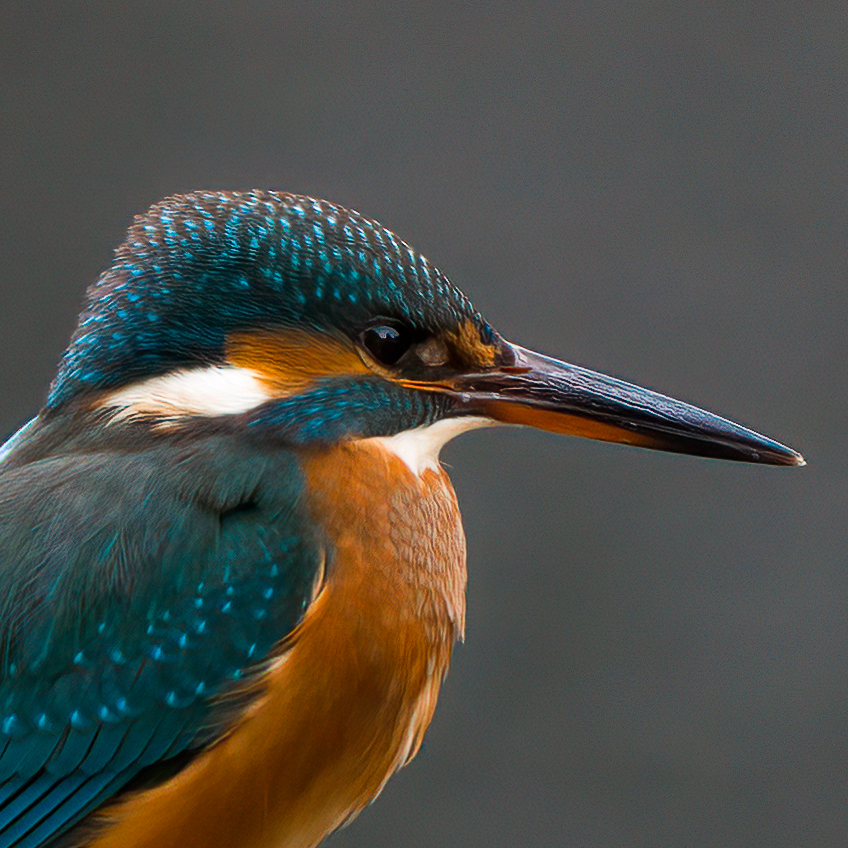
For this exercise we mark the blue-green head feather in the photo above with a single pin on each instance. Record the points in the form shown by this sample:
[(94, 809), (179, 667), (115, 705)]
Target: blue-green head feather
[(198, 267)]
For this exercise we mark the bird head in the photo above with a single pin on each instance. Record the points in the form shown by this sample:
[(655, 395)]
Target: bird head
[(309, 323)]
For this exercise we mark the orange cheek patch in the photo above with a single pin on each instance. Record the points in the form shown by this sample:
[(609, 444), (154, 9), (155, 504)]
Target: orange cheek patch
[(472, 351), (288, 361)]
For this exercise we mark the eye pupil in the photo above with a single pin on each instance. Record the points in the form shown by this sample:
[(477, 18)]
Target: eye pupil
[(387, 343)]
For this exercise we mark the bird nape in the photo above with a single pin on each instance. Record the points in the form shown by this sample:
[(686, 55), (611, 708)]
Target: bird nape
[(232, 569)]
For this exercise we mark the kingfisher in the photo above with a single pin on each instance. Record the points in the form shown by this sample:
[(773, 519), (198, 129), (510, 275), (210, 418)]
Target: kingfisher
[(232, 568)]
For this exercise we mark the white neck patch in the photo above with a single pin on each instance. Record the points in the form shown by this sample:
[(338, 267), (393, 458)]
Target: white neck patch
[(214, 390), (229, 390), (419, 448)]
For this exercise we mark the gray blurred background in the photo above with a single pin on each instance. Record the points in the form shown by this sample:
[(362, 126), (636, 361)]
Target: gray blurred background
[(656, 650)]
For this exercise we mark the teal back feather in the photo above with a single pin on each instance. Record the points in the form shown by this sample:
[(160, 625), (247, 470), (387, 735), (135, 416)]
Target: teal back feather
[(139, 582)]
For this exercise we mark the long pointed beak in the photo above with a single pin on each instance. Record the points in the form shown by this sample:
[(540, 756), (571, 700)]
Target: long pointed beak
[(542, 392)]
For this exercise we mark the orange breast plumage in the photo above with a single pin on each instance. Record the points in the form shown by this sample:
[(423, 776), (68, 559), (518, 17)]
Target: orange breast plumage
[(348, 699)]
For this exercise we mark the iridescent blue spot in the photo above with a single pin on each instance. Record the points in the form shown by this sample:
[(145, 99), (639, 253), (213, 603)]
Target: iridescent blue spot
[(11, 723), (43, 722), (260, 614), (105, 714), (200, 626), (251, 650), (117, 656), (79, 658), (198, 603), (183, 640), (226, 606), (78, 721), (268, 593), (157, 652)]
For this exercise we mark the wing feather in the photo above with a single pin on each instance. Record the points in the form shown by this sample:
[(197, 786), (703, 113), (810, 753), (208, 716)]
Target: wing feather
[(139, 590), (69, 800)]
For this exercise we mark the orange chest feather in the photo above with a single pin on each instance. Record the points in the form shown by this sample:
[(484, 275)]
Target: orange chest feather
[(396, 541), (347, 704)]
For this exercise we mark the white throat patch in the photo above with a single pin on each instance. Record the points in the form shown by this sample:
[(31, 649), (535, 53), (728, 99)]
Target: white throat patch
[(419, 448), (214, 390)]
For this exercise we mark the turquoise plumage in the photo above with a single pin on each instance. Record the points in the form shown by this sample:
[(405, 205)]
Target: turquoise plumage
[(141, 579)]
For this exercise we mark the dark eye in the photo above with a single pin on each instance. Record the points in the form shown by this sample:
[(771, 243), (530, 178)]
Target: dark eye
[(387, 341)]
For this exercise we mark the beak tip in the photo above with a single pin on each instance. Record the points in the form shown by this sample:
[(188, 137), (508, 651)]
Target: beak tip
[(797, 460), (781, 455)]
